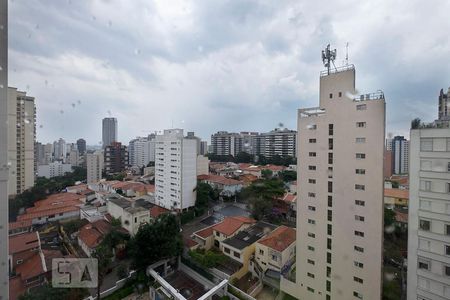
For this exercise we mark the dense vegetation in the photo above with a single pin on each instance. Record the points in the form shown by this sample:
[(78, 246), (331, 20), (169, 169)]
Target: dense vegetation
[(42, 188), (243, 157)]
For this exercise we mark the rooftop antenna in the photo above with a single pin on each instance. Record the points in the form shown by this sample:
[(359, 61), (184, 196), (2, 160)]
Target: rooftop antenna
[(346, 54), (328, 57)]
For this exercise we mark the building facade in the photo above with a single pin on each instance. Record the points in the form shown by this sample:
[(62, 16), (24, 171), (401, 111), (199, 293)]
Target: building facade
[(81, 146), (203, 147), (94, 166), (280, 142), (141, 151), (116, 158), (60, 150), (429, 215), (21, 140), (400, 155), (54, 169), (225, 143), (175, 170), (444, 105), (340, 182), (109, 131)]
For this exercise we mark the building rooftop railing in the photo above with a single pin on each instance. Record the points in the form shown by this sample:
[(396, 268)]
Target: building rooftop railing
[(337, 70), (378, 95), (309, 112), (417, 124)]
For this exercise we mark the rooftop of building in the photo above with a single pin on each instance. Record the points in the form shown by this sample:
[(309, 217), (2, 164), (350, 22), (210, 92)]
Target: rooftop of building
[(396, 193), (279, 239), (230, 225), (23, 242), (19, 224), (219, 179), (250, 235)]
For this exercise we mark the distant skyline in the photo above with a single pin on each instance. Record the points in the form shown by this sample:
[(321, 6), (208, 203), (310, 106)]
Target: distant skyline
[(206, 66)]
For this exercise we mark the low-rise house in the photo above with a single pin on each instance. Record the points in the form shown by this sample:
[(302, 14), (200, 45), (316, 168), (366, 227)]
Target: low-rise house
[(226, 186), (247, 179), (285, 206), (396, 197), (274, 168), (92, 234), (252, 170), (22, 247), (274, 254), (215, 234), (132, 216), (241, 246), (19, 227)]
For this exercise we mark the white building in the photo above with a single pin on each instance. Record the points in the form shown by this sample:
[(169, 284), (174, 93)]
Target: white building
[(109, 131), (130, 215), (226, 143), (175, 170), (400, 154), (74, 158), (429, 215), (141, 151), (280, 141), (340, 184), (54, 169), (60, 150), (21, 139), (202, 165), (94, 166)]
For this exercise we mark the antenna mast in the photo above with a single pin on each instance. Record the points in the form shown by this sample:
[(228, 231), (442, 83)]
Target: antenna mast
[(328, 57)]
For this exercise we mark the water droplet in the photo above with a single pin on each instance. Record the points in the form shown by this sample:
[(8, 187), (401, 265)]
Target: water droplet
[(73, 105), (2, 27), (79, 102), (200, 48), (29, 35), (100, 142), (94, 18), (37, 26), (46, 82), (41, 126), (1, 86), (28, 87), (1, 69), (27, 121), (109, 23), (61, 111), (137, 51), (109, 112)]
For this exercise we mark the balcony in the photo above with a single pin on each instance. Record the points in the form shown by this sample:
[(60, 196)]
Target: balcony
[(378, 95), (311, 112)]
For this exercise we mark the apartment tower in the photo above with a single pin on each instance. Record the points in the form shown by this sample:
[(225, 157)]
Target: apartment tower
[(429, 213), (94, 166), (340, 184), (109, 131), (21, 140), (175, 170), (400, 155)]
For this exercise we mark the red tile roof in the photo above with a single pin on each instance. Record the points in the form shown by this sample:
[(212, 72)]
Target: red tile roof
[(31, 267), (204, 233), (190, 243), (396, 193), (218, 179), (23, 242), (16, 288), (46, 213), (401, 217), (230, 225), (273, 168), (279, 239), (92, 234), (156, 211), (290, 198), (17, 225)]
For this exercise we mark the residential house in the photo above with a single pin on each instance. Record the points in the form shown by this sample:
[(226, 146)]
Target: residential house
[(396, 197), (19, 227), (92, 234), (131, 214), (226, 186)]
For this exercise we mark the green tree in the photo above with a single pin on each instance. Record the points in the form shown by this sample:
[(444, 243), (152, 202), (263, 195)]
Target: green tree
[(207, 259), (287, 175), (244, 157), (47, 292), (261, 194), (104, 255), (156, 241), (204, 192), (266, 173), (389, 217)]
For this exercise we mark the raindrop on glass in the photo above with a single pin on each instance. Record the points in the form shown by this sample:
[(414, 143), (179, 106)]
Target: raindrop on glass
[(109, 23), (109, 112), (137, 51), (29, 35), (79, 102), (73, 105), (1, 86), (37, 26), (94, 18), (200, 49), (28, 87), (41, 126), (2, 27), (27, 121), (46, 82), (1, 69), (61, 111)]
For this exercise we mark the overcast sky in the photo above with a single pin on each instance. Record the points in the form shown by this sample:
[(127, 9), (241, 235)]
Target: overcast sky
[(205, 66)]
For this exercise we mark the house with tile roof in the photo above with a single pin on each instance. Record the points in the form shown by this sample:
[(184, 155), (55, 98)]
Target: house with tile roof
[(19, 227), (92, 234), (274, 254), (132, 214), (396, 197), (226, 186)]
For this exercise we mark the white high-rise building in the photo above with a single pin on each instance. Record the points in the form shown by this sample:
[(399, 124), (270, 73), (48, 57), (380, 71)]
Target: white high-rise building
[(74, 157), (429, 214), (175, 170), (109, 131), (94, 166), (21, 140), (60, 150), (340, 184), (141, 151), (54, 169), (400, 155)]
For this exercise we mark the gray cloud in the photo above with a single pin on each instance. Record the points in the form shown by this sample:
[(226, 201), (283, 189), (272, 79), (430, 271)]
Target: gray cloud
[(217, 65)]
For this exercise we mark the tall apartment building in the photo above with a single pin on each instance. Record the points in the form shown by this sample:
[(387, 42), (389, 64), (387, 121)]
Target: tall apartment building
[(340, 182), (429, 214), (141, 151), (81, 146), (21, 140), (116, 158), (444, 105), (175, 170), (94, 166), (280, 141), (74, 158), (400, 155), (203, 147), (226, 143), (60, 150), (250, 142), (109, 131)]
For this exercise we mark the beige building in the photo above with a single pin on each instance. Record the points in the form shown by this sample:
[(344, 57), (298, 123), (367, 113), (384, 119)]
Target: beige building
[(132, 216), (340, 184), (94, 166), (21, 138), (429, 214)]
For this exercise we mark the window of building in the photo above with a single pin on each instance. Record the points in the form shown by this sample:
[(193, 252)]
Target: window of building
[(330, 186), (312, 208), (447, 270), (312, 141), (329, 229), (330, 201), (360, 155), (331, 95), (274, 258), (424, 225), (360, 171), (425, 185), (447, 229), (311, 248), (330, 129), (310, 275), (360, 202), (423, 264), (311, 235), (329, 241), (311, 221), (236, 254), (357, 295), (330, 144), (310, 289), (360, 124), (359, 233), (448, 167), (261, 252), (360, 187), (330, 172), (447, 250), (358, 264), (313, 181), (312, 195), (312, 126), (227, 250), (330, 215), (359, 249), (359, 218), (19, 261), (312, 168), (340, 94), (312, 154), (361, 107), (328, 272), (217, 233), (357, 279), (360, 140), (426, 144), (330, 158), (311, 262), (328, 258)]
